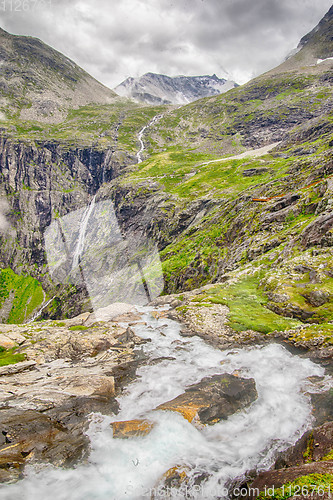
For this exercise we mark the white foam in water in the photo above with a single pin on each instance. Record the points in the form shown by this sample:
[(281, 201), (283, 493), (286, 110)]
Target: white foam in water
[(131, 468)]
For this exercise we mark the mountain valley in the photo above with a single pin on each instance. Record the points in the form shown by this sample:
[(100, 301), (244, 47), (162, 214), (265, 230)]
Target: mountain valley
[(218, 213)]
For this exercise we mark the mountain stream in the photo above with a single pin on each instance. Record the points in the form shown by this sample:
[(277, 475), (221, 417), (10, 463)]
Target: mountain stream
[(132, 468)]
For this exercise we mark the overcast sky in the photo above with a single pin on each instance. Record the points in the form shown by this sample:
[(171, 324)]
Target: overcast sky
[(114, 39)]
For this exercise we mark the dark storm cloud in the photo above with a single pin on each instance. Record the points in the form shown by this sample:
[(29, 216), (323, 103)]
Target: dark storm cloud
[(113, 40)]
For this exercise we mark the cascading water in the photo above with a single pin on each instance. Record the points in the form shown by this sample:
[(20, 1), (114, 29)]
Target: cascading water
[(39, 312), (131, 468), (82, 233), (140, 135)]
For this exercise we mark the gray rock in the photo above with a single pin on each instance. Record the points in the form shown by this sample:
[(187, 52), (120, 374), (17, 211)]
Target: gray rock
[(317, 298)]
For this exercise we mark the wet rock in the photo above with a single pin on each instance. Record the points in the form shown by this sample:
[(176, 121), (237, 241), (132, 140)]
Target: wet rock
[(323, 406), (213, 399), (159, 314), (313, 446), (279, 477), (71, 371), (131, 428), (172, 480), (29, 436), (310, 455), (179, 480)]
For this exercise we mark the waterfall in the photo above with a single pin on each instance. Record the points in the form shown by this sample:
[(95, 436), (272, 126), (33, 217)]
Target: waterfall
[(82, 233), (39, 312), (142, 131)]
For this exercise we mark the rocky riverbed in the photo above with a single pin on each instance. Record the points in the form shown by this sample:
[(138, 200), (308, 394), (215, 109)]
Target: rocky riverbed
[(81, 367), (72, 368)]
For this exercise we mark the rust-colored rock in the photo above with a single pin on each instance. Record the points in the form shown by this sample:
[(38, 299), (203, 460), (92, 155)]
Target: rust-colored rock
[(131, 428)]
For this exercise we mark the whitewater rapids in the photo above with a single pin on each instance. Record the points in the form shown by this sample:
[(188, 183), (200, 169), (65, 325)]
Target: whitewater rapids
[(120, 469)]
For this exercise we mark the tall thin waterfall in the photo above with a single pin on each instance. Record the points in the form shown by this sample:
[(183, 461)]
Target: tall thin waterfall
[(82, 233)]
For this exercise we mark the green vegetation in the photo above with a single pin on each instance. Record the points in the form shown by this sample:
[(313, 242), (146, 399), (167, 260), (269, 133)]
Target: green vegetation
[(308, 454), (78, 328), (9, 357), (305, 486), (247, 307), (23, 294), (321, 334), (328, 457), (189, 175), (95, 125)]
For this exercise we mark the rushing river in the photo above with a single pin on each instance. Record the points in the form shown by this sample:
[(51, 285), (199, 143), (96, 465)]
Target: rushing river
[(131, 468)]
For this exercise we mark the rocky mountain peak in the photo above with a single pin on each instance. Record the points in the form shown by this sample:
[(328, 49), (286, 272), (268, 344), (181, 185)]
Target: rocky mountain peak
[(314, 48), (152, 88), (320, 39)]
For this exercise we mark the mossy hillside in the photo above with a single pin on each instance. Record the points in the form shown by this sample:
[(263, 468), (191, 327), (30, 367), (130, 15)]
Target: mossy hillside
[(188, 175), (234, 230), (246, 302), (284, 99), (21, 295), (101, 126), (315, 335), (304, 281)]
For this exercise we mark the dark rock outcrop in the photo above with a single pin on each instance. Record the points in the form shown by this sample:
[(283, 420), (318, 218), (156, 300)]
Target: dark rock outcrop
[(213, 399), (30, 436)]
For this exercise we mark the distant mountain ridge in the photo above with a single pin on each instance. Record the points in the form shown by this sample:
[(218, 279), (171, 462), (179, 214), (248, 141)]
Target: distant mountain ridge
[(153, 88)]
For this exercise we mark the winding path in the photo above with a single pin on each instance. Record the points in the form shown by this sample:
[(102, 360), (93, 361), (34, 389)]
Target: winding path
[(250, 153)]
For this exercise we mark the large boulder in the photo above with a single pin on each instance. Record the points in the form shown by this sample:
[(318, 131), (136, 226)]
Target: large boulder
[(213, 399), (30, 436)]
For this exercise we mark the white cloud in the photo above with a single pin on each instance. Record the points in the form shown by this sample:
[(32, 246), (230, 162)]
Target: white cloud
[(113, 40)]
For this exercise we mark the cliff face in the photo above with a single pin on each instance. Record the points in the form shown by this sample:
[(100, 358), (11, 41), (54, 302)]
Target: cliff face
[(40, 183)]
